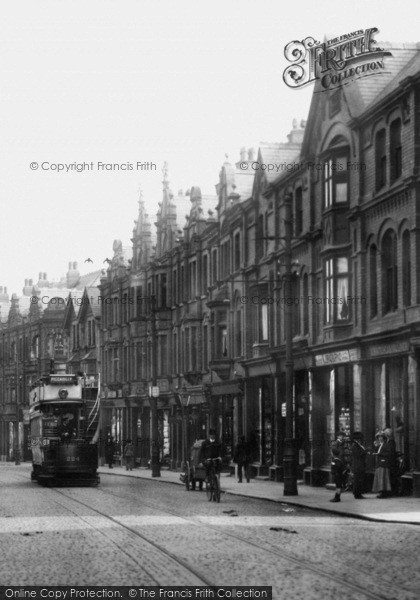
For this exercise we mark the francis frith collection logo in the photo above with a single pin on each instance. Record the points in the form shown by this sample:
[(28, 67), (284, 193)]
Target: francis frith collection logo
[(334, 62)]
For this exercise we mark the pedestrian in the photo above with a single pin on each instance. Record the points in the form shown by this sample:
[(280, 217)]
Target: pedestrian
[(241, 457), (109, 451), (391, 453), (382, 479), (129, 455), (358, 465), (338, 465), (211, 448)]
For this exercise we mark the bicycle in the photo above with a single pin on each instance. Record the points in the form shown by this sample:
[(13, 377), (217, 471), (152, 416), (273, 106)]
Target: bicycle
[(212, 480)]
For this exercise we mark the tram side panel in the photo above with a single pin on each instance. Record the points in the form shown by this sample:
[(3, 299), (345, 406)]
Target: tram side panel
[(60, 451)]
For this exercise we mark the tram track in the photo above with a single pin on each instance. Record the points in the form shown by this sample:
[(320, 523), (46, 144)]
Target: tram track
[(353, 586), (174, 563)]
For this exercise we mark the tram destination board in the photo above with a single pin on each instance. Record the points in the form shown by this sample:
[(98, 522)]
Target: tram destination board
[(130, 592), (62, 380)]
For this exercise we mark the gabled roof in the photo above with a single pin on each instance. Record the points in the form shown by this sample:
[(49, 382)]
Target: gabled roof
[(275, 154), (408, 63), (373, 86), (363, 92)]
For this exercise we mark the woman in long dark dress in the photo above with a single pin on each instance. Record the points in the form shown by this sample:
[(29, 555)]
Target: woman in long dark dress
[(382, 479)]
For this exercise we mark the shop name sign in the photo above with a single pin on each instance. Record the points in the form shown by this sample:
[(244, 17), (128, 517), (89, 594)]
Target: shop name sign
[(335, 61), (343, 356)]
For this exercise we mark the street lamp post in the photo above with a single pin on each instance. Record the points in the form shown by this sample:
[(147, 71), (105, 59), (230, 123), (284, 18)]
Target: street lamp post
[(289, 455), (155, 458)]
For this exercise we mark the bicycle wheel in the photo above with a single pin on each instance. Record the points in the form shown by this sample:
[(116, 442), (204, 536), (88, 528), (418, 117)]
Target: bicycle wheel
[(216, 489), (209, 490)]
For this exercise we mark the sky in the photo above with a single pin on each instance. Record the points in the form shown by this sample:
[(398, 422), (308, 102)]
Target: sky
[(127, 82)]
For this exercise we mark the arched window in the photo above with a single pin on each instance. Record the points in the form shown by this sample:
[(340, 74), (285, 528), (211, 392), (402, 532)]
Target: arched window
[(395, 150), (389, 272), (335, 173), (406, 264), (380, 159), (373, 281)]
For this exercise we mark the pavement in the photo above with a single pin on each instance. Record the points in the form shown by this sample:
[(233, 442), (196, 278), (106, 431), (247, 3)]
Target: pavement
[(402, 509)]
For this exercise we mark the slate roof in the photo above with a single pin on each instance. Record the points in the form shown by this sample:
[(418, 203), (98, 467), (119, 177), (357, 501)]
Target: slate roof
[(244, 181), (277, 153), (405, 62)]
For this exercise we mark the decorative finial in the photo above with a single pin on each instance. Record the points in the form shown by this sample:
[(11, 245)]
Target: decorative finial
[(165, 175)]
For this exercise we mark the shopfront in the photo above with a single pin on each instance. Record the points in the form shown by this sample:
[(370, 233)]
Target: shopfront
[(334, 404)]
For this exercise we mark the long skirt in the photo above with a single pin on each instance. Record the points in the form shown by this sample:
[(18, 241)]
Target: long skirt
[(382, 480)]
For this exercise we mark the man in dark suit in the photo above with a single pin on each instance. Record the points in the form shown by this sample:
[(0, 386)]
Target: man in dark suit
[(242, 458), (358, 465), (211, 448)]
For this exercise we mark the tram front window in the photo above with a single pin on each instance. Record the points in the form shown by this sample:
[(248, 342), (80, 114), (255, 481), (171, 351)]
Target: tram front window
[(68, 424)]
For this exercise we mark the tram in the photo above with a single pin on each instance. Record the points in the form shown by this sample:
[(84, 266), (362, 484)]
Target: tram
[(62, 453)]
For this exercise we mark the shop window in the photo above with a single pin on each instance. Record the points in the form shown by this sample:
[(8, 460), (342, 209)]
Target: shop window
[(336, 290), (380, 159), (373, 282), (389, 272), (395, 150), (406, 268)]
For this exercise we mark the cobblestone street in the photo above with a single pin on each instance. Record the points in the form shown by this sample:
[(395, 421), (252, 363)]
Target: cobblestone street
[(132, 531)]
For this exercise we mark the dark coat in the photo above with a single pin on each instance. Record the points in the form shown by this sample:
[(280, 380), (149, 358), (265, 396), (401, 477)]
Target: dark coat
[(210, 450), (242, 453), (338, 462), (386, 455), (358, 458), (109, 448)]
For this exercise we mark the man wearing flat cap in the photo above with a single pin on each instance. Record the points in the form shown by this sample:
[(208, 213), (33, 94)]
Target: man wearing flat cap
[(358, 465)]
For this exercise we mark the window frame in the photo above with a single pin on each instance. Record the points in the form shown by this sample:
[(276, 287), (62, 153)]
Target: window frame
[(333, 177)]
